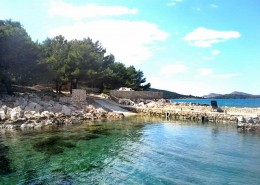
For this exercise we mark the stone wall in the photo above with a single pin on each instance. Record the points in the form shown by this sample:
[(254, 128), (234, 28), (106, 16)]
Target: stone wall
[(226, 110), (136, 94), (186, 114), (78, 95), (242, 111)]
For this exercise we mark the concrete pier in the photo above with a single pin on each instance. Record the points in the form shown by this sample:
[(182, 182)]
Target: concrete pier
[(246, 119)]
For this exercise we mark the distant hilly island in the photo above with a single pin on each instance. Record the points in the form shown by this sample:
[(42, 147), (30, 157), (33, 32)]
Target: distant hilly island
[(233, 95)]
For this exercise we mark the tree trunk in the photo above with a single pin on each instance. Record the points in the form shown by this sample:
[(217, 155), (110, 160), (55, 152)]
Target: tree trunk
[(7, 82), (60, 86), (73, 84), (57, 87), (71, 87)]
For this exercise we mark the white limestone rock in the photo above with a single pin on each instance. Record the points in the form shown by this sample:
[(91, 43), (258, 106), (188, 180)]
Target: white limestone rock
[(241, 119), (3, 111), (16, 113)]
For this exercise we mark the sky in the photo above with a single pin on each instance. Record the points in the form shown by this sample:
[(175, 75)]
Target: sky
[(192, 47)]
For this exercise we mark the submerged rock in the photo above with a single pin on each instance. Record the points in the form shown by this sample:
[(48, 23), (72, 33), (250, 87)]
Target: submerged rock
[(5, 167), (53, 145)]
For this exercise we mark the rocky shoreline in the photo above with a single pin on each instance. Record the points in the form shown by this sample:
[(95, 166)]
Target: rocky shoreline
[(39, 110), (246, 119)]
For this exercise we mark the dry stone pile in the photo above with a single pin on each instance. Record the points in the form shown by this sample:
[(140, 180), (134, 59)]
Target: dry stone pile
[(34, 111)]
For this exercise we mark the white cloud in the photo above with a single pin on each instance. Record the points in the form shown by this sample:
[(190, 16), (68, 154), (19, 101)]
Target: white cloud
[(174, 2), (214, 6), (131, 42), (226, 75), (203, 37), (173, 69), (59, 8), (215, 52), (182, 86), (205, 71)]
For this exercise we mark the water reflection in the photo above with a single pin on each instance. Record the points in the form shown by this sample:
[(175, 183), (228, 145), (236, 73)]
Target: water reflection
[(5, 167)]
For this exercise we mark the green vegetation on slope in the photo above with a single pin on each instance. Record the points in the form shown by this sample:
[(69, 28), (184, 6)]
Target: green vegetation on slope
[(233, 95), (236, 96)]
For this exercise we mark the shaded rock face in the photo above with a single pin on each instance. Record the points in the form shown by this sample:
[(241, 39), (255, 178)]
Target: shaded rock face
[(32, 106), (66, 110)]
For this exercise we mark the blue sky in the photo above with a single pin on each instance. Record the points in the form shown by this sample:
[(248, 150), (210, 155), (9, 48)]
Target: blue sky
[(186, 46)]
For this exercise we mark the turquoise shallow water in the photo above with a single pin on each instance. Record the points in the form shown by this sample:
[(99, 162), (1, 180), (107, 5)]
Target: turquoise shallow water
[(133, 151), (252, 103)]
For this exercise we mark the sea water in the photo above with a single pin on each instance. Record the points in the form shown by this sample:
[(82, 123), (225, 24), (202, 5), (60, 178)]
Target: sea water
[(137, 150), (251, 103)]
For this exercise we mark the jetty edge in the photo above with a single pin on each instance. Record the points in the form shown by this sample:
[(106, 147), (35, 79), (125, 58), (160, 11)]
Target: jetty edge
[(246, 119)]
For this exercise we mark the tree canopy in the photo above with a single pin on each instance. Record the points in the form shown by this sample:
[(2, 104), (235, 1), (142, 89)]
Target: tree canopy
[(18, 54), (25, 62)]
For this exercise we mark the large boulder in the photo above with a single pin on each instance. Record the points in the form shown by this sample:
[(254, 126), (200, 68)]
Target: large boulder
[(100, 111), (66, 110), (3, 111), (16, 113), (241, 119), (256, 120), (249, 120), (29, 114), (55, 108), (22, 102), (32, 106), (105, 96), (152, 104), (46, 114), (141, 104), (126, 102), (89, 109)]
